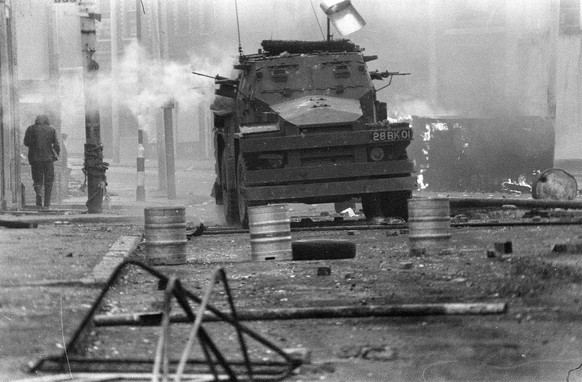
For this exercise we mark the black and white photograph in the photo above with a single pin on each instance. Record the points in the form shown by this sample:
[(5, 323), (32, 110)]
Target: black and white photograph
[(290, 190)]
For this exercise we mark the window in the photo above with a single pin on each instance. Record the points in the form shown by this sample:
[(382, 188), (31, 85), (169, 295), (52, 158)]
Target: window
[(569, 16)]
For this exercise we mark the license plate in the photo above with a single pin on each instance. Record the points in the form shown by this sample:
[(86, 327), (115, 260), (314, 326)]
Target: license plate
[(391, 135)]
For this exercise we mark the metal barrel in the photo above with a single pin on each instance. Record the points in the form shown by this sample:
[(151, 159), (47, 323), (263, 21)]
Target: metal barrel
[(165, 235), (429, 225), (270, 231), (555, 184)]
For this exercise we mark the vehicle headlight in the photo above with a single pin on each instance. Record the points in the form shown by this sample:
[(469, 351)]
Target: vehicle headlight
[(376, 154)]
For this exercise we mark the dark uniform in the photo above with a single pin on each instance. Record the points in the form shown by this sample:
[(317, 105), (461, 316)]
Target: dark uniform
[(43, 150)]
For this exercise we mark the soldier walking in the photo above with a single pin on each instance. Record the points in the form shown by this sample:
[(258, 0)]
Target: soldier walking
[(43, 150)]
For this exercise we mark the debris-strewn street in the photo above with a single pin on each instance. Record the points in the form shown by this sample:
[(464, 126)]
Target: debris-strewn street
[(344, 190), (532, 267), (534, 340)]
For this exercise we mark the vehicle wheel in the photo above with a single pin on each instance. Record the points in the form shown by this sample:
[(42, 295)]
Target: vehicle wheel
[(323, 249), (394, 204), (230, 204), (243, 214), (371, 206), (216, 193)]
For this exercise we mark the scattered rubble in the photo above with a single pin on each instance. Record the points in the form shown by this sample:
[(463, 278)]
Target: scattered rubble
[(504, 247)]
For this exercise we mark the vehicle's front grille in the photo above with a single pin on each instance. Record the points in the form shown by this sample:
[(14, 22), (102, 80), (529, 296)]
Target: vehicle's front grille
[(327, 155), (327, 129)]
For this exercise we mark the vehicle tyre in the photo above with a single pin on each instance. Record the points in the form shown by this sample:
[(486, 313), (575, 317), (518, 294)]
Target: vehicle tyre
[(243, 213), (216, 193), (229, 195), (394, 204), (323, 249), (371, 206)]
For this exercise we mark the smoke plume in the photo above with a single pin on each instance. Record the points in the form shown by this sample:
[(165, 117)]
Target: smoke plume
[(144, 85)]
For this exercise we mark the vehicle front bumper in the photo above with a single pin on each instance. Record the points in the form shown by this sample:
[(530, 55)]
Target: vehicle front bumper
[(346, 179)]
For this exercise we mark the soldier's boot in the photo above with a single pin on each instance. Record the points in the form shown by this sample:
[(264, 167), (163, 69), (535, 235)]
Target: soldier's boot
[(38, 193), (47, 196)]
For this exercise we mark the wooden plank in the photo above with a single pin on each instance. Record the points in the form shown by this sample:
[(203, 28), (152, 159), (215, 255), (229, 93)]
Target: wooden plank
[(341, 170)]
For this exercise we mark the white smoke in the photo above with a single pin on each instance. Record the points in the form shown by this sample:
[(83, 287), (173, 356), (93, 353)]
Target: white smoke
[(144, 85)]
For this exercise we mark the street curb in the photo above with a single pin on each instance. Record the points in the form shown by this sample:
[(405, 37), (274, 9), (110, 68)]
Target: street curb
[(118, 252), (65, 219)]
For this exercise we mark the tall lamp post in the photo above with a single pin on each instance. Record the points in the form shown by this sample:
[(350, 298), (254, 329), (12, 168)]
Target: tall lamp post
[(169, 149), (140, 193), (94, 167)]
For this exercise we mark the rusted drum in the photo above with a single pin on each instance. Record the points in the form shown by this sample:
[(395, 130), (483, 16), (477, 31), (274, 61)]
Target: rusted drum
[(429, 225), (165, 235), (555, 184), (270, 230)]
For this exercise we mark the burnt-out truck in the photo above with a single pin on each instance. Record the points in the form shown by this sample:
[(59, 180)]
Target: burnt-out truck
[(300, 123)]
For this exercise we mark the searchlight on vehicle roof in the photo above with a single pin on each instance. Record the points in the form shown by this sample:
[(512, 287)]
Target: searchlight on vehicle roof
[(344, 17)]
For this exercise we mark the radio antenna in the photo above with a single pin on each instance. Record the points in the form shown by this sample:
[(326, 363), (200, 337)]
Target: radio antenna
[(240, 51), (317, 19)]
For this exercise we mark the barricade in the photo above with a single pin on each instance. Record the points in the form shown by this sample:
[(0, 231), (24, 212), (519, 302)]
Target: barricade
[(165, 235), (429, 225), (270, 231)]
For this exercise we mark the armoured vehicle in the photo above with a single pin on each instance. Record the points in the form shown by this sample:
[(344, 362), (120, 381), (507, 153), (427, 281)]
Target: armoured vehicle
[(300, 123)]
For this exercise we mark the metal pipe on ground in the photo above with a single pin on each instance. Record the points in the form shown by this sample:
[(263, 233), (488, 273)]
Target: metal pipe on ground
[(525, 203), (154, 318)]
